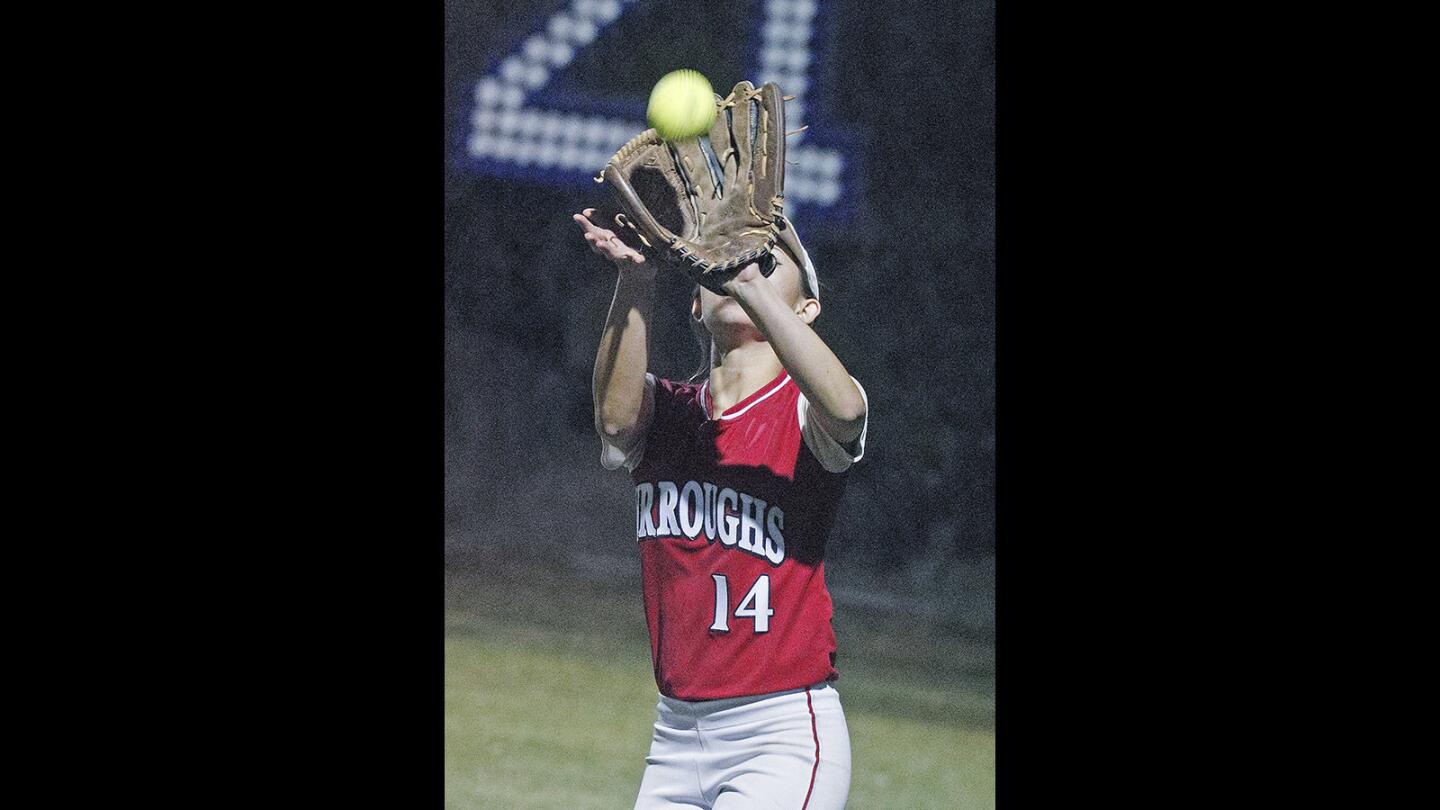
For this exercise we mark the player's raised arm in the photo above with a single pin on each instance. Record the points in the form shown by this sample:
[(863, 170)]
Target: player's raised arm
[(834, 398), (620, 363)]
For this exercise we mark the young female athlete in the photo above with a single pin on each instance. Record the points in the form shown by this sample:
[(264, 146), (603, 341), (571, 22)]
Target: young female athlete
[(737, 481)]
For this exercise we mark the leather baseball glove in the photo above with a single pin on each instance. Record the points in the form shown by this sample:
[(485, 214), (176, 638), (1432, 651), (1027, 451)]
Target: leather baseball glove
[(711, 204)]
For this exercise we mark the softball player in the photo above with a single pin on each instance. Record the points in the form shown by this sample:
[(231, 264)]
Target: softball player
[(737, 477)]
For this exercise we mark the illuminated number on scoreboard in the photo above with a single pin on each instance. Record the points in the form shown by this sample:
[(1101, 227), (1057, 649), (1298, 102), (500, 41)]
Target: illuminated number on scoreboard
[(526, 122), (755, 605)]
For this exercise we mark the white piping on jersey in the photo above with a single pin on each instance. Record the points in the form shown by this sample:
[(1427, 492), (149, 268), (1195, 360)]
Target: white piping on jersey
[(742, 411)]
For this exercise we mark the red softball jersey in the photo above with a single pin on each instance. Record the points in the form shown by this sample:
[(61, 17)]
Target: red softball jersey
[(732, 512)]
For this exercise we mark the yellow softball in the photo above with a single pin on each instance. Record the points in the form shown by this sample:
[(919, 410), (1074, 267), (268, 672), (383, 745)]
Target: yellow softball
[(682, 105)]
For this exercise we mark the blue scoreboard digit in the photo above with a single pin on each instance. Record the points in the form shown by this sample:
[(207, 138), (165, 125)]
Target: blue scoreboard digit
[(520, 126)]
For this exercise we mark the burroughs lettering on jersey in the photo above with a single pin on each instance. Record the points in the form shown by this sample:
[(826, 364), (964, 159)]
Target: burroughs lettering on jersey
[(737, 519)]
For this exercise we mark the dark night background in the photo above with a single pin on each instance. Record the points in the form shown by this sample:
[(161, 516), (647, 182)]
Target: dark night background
[(908, 290), (1135, 630)]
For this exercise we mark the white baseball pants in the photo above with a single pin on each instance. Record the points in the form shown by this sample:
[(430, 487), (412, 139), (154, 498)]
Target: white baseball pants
[(782, 751)]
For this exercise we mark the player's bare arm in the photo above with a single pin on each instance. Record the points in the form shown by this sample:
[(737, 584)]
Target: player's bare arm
[(834, 399), (620, 363)]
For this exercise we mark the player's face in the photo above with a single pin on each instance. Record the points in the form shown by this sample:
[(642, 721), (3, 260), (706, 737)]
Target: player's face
[(723, 314), (786, 277)]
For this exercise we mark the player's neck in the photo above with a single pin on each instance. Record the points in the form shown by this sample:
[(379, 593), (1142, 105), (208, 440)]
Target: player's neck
[(739, 371)]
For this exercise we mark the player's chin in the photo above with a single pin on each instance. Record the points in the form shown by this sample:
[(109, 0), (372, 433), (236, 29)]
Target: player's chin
[(711, 301), (724, 309), (728, 318)]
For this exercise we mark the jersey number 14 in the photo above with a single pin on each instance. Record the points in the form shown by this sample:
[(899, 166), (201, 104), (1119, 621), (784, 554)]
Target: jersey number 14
[(755, 605)]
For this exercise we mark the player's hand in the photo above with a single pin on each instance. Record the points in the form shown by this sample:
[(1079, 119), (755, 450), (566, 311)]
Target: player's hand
[(605, 243), (748, 276)]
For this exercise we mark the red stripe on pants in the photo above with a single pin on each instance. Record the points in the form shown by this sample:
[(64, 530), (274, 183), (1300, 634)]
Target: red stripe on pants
[(816, 734)]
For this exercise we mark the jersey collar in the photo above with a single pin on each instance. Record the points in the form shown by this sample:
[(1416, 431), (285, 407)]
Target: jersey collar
[(738, 409)]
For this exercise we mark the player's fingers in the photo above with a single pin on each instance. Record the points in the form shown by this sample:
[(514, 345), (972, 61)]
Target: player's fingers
[(591, 229), (585, 222), (588, 212), (624, 251)]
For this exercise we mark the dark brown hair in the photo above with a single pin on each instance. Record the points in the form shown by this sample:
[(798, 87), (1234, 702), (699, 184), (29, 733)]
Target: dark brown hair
[(702, 336)]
